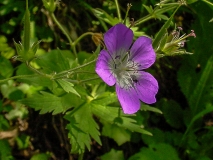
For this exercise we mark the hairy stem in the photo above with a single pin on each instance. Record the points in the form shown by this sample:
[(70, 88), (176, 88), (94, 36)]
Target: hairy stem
[(64, 32), (79, 38), (73, 69), (38, 72)]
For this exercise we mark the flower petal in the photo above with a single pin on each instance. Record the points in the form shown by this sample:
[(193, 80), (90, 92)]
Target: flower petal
[(146, 88), (118, 38), (142, 52), (102, 68), (128, 99)]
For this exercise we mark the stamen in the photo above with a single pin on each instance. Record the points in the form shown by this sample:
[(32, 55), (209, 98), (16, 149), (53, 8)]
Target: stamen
[(192, 34)]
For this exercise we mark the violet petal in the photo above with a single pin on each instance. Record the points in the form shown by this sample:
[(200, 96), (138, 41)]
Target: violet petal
[(102, 68), (118, 38), (142, 52), (128, 99), (147, 88)]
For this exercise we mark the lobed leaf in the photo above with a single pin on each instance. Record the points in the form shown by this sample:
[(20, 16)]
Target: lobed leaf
[(81, 127), (110, 114), (45, 102)]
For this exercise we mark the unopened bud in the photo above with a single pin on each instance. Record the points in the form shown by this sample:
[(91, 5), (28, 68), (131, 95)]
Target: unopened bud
[(50, 5), (98, 39)]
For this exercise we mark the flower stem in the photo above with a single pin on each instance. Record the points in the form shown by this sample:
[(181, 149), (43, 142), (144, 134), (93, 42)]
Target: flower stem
[(81, 156), (73, 69), (208, 2), (157, 11), (79, 38), (16, 77), (144, 19), (26, 37), (118, 10), (64, 32), (87, 80), (38, 72)]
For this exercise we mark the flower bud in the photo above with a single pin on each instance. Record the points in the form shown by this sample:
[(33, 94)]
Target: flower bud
[(50, 5), (174, 41), (98, 39)]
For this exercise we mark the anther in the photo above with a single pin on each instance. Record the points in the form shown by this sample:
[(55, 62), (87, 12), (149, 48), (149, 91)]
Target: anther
[(180, 28)]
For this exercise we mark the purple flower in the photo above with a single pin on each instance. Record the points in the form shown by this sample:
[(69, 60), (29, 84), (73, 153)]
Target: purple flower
[(123, 66)]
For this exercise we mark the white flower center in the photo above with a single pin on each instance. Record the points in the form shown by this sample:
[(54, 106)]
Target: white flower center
[(124, 70)]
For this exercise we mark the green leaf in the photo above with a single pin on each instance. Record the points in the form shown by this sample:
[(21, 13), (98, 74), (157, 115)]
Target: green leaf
[(109, 114), (38, 80), (191, 1), (23, 70), (8, 88), (16, 95), (198, 116), (159, 151), (4, 124), (26, 36), (145, 107), (195, 75), (105, 98), (120, 135), (148, 8), (23, 141), (159, 136), (199, 89), (161, 16), (56, 61), (81, 127), (162, 31), (35, 46), (67, 86), (113, 155), (45, 102), (19, 49), (102, 15), (35, 79), (173, 113), (5, 151), (5, 50), (41, 156), (88, 72), (6, 69)]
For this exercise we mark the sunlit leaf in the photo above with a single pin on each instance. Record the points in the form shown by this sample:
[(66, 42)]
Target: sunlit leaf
[(67, 86)]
